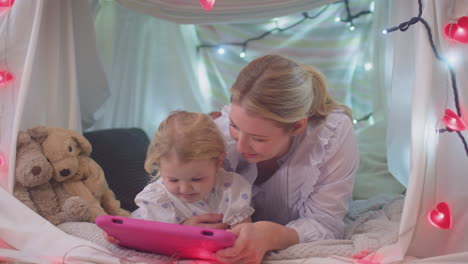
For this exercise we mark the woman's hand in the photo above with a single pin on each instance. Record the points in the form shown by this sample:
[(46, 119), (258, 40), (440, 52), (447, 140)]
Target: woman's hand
[(110, 239), (254, 240), (207, 220), (249, 248)]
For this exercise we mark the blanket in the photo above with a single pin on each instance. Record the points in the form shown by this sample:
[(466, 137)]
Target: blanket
[(370, 225)]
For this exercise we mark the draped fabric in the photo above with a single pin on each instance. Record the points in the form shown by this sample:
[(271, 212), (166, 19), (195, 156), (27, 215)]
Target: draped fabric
[(421, 92), (50, 48), (338, 52), (223, 11), (150, 64)]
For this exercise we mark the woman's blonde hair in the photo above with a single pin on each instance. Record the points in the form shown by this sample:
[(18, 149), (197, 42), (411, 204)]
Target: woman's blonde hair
[(279, 89), (189, 136)]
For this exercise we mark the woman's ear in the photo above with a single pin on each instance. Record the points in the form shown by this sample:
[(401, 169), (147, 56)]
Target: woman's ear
[(219, 162), (299, 126)]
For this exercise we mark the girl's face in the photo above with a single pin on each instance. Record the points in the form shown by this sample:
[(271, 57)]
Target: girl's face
[(258, 139), (189, 181)]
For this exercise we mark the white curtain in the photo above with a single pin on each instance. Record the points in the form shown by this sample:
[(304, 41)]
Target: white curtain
[(50, 48), (223, 11), (148, 62)]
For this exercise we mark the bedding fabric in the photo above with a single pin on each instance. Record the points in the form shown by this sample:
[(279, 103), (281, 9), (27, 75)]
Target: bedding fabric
[(371, 224)]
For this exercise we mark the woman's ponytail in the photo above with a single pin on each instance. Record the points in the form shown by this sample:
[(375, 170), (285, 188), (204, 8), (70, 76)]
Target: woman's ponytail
[(322, 102)]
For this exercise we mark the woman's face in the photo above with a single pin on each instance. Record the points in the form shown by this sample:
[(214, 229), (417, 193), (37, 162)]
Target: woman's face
[(257, 139)]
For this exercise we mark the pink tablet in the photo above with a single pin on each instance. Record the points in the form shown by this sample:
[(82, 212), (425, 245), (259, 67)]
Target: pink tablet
[(174, 240)]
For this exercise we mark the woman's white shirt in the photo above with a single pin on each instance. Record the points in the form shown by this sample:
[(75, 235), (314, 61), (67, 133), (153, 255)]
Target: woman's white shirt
[(313, 185)]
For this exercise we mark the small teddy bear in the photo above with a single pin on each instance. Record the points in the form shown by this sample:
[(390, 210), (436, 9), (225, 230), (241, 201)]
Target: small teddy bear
[(76, 173), (33, 187)]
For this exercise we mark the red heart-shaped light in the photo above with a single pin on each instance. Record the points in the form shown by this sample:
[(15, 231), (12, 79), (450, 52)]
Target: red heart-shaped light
[(440, 217), (458, 31), (453, 121), (6, 3), (207, 4), (5, 77)]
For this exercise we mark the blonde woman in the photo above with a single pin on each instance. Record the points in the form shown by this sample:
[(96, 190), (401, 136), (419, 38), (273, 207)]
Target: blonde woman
[(297, 146)]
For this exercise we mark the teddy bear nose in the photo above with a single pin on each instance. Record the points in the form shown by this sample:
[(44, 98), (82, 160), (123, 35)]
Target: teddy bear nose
[(65, 172), (36, 170)]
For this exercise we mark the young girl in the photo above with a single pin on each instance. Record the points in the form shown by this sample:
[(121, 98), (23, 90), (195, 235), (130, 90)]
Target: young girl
[(187, 152), (190, 187)]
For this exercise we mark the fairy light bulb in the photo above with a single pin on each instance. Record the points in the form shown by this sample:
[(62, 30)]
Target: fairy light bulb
[(221, 51), (6, 3), (2, 161), (440, 216), (5, 77), (242, 54)]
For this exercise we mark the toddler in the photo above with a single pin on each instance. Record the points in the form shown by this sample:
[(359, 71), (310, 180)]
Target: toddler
[(186, 156)]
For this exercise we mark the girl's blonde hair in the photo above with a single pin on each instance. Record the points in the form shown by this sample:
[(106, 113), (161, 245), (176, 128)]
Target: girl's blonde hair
[(190, 136), (279, 89)]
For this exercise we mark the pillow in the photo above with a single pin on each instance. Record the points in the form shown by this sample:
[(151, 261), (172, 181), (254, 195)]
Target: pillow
[(121, 153)]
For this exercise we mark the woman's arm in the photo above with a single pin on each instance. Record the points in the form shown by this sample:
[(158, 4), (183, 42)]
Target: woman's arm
[(255, 239)]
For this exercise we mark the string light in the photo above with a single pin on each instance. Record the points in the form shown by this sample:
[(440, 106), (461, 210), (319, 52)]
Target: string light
[(403, 27), (5, 78), (6, 3), (305, 16), (440, 216), (349, 17), (368, 66), (457, 31), (367, 117), (2, 160), (207, 4)]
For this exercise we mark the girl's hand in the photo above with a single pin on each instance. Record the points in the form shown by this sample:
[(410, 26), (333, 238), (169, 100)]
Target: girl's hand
[(249, 248), (213, 221), (110, 239), (214, 115)]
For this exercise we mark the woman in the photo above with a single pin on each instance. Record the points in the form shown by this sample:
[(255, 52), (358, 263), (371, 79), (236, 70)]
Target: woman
[(297, 147)]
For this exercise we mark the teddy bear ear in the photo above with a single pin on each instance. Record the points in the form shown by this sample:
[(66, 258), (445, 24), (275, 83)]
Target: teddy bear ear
[(38, 133), (23, 139), (84, 144)]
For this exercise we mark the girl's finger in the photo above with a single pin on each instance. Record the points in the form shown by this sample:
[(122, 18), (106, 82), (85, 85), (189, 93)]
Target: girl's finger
[(208, 218)]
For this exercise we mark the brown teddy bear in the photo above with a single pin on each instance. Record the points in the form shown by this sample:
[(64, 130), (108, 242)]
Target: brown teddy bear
[(68, 153), (34, 188)]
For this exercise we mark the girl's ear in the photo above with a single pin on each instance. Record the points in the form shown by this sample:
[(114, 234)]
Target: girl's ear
[(219, 162), (299, 126)]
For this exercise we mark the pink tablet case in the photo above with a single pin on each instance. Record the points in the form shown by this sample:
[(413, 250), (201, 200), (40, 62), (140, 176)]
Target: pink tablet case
[(174, 240)]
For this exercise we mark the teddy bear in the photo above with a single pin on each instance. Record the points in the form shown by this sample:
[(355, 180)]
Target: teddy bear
[(33, 186), (77, 174)]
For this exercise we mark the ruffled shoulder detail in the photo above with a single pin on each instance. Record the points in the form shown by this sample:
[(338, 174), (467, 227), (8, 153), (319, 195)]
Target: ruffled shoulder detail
[(330, 134), (155, 204), (320, 143), (232, 157), (153, 193)]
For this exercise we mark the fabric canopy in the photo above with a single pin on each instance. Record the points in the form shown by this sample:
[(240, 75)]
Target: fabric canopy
[(223, 11)]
